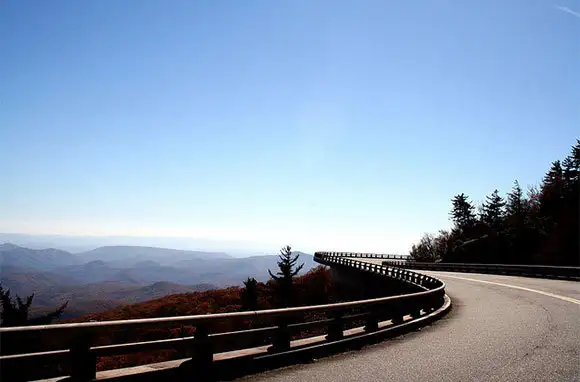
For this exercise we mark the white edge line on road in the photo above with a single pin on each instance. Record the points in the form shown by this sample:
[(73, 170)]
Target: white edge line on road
[(569, 299)]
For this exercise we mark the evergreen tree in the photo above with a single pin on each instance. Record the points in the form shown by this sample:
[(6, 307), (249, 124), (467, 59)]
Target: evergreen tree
[(515, 206), (552, 191), (540, 227), (462, 212), (519, 236), (283, 279), (493, 211), (571, 170), (250, 294), (15, 311), (568, 217)]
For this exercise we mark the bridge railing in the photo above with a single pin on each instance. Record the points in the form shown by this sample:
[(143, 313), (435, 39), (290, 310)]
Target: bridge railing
[(74, 348), (362, 255), (544, 271)]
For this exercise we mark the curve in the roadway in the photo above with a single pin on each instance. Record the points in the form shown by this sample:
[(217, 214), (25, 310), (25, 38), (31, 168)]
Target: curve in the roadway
[(501, 328)]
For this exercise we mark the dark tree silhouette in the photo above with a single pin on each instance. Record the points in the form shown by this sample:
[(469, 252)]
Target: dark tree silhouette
[(552, 191), (15, 311), (250, 294), (515, 205), (283, 278), (462, 212), (433, 248), (425, 249), (493, 211), (539, 227), (517, 233)]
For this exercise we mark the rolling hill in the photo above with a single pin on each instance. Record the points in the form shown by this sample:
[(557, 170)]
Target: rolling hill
[(39, 259), (108, 276), (128, 256)]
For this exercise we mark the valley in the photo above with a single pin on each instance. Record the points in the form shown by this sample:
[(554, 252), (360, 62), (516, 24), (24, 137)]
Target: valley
[(109, 276)]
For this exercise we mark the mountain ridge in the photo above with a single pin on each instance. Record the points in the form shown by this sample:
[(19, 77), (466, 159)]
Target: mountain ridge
[(55, 276)]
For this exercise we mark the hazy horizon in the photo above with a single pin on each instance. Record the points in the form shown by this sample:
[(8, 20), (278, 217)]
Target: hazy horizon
[(83, 243), (327, 125)]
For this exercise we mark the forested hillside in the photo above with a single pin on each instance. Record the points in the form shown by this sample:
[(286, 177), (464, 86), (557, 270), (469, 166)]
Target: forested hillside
[(314, 287), (536, 226)]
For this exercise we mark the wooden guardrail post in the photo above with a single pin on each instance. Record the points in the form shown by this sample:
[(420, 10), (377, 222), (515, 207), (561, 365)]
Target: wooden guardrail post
[(83, 362), (436, 302), (281, 341), (335, 327), (372, 322), (202, 352), (397, 312), (416, 311)]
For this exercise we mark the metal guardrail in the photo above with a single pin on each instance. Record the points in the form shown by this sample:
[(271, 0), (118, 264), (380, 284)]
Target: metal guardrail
[(78, 346), (542, 271), (361, 255)]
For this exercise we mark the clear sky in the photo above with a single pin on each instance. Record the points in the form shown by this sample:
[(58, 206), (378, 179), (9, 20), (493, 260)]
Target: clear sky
[(344, 125)]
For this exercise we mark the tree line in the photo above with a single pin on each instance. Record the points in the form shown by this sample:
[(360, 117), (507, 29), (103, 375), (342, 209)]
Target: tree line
[(539, 226)]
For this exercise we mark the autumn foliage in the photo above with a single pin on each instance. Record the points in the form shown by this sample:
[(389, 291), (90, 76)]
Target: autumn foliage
[(314, 287)]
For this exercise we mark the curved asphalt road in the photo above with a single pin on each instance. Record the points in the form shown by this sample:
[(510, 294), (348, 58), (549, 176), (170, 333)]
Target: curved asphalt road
[(493, 333)]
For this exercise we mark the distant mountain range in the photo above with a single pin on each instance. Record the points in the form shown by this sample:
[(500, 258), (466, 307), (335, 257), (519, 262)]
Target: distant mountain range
[(107, 276), (77, 244), (40, 259), (128, 256)]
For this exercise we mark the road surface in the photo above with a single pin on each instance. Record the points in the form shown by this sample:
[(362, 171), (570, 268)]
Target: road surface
[(501, 328)]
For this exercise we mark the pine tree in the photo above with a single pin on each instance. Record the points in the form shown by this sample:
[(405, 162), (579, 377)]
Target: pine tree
[(552, 191), (515, 205), (250, 294), (15, 311), (541, 226), (568, 218), (518, 235), (283, 279), (493, 211), (571, 170), (462, 212)]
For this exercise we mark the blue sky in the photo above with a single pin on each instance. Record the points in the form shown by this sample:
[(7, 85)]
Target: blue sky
[(344, 125)]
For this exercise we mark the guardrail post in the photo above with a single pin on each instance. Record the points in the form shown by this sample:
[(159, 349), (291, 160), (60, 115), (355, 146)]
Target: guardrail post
[(202, 352), (372, 322), (335, 327), (397, 312), (83, 362), (398, 319), (281, 340), (436, 302), (416, 312)]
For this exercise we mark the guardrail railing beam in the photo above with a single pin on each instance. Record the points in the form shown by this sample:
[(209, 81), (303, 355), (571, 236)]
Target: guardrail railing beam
[(541, 271)]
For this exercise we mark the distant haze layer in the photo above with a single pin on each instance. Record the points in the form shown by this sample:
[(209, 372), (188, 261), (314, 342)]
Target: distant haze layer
[(77, 244)]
